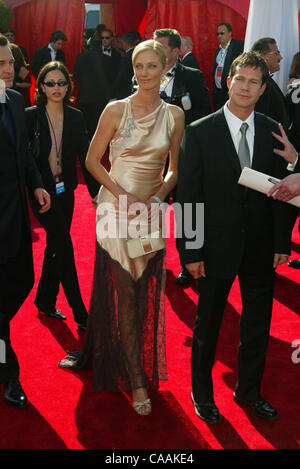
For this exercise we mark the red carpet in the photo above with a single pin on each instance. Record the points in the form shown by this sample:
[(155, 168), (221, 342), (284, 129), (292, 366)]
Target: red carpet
[(64, 412)]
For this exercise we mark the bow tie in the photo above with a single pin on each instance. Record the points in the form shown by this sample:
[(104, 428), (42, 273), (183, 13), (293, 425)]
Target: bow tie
[(107, 49), (170, 74)]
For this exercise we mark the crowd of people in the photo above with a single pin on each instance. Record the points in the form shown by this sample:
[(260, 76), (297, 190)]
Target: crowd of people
[(148, 102)]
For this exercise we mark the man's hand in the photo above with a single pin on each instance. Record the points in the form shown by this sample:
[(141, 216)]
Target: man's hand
[(43, 199), (288, 153), (196, 269), (279, 259), (286, 189)]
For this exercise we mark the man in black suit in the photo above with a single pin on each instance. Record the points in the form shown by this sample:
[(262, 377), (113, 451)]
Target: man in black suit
[(188, 59), (123, 84), (111, 58), (228, 50), (272, 102), (10, 35), (53, 51), (246, 233), (17, 169), (186, 88), (94, 87)]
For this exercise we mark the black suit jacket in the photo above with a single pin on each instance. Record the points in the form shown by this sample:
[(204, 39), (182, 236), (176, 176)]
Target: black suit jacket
[(190, 61), (111, 65), (17, 169), (89, 72), (235, 48), (42, 57), (273, 104), (122, 86), (75, 144), (237, 222), (192, 81)]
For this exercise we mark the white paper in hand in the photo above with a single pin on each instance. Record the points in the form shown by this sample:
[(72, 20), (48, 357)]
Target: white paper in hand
[(262, 183)]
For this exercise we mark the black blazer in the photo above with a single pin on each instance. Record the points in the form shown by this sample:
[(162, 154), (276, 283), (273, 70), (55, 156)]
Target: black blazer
[(237, 221), (190, 61), (75, 144), (192, 81), (235, 48), (122, 86), (273, 104), (42, 57), (17, 169), (89, 72), (111, 65)]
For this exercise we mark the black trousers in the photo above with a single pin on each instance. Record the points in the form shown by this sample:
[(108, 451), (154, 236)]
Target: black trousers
[(59, 263), (257, 299), (16, 281)]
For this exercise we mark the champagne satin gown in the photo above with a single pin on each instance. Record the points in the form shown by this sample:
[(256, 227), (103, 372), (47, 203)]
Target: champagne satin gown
[(125, 338)]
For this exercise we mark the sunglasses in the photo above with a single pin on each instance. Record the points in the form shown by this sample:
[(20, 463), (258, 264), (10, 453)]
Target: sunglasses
[(220, 34), (51, 84), (106, 37)]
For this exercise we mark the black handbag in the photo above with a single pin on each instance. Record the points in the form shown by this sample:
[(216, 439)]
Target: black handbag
[(34, 144)]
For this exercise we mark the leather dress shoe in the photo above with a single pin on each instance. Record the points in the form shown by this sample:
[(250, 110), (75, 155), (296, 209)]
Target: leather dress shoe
[(295, 264), (259, 407), (81, 319), (54, 313), (207, 412), (14, 394), (184, 278)]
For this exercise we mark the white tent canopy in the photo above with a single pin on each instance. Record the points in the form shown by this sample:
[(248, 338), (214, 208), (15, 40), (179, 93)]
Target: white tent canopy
[(277, 19)]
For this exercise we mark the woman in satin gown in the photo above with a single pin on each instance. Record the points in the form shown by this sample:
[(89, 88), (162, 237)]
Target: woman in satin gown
[(125, 339)]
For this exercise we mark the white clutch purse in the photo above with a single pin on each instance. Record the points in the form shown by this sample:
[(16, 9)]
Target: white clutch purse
[(138, 247)]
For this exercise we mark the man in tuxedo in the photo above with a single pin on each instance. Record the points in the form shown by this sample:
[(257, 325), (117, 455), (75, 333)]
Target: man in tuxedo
[(94, 87), (246, 233), (272, 102), (53, 51), (188, 59), (17, 169), (227, 51), (111, 58), (186, 88), (123, 84)]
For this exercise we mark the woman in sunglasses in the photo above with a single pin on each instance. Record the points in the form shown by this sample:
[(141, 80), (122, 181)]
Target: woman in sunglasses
[(62, 137)]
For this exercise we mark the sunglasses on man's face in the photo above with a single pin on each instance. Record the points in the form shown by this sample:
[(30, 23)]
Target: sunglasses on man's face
[(220, 34), (105, 37), (51, 84)]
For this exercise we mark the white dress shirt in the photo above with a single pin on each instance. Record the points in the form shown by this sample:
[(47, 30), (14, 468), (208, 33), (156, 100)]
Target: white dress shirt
[(234, 124), (220, 59), (52, 52)]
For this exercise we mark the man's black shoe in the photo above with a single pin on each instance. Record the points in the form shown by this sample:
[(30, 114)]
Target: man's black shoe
[(207, 412), (54, 313), (295, 264), (14, 394), (184, 278), (259, 407)]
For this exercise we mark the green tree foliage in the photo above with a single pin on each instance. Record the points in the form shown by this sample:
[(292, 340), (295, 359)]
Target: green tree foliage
[(6, 15)]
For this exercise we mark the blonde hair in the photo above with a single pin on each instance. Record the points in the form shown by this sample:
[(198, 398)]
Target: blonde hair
[(153, 46)]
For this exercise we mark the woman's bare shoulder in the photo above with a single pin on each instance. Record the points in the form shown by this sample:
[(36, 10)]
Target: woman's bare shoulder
[(176, 111), (115, 108)]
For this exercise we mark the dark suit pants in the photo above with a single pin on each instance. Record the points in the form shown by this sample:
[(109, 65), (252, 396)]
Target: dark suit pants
[(59, 263), (16, 281), (257, 298)]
